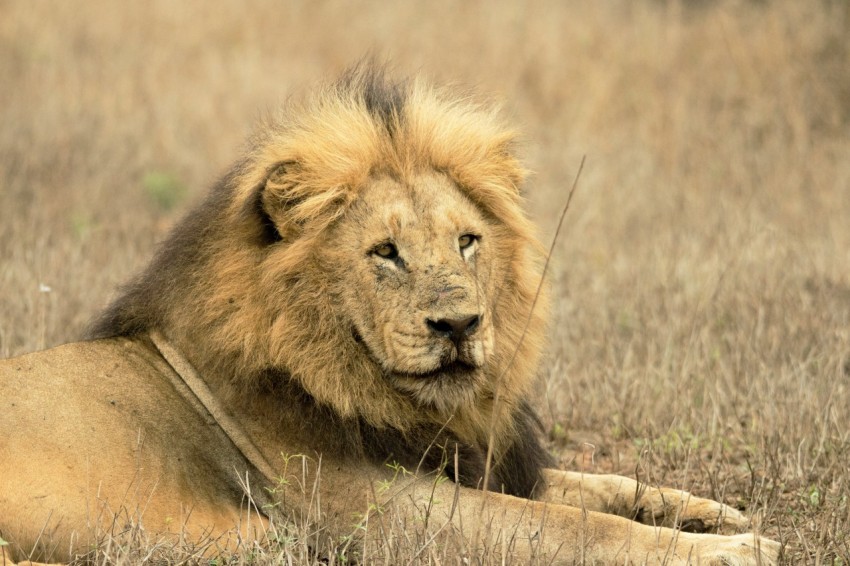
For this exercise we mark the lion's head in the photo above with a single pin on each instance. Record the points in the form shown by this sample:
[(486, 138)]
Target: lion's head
[(371, 246)]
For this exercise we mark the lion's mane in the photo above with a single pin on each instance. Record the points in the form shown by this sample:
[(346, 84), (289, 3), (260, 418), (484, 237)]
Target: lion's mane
[(239, 287)]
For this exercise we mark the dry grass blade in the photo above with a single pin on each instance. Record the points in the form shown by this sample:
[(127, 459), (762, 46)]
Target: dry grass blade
[(543, 272)]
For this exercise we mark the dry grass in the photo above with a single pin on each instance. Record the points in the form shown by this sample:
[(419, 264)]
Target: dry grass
[(702, 283)]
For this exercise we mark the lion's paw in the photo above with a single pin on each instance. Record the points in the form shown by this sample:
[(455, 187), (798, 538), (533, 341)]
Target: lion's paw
[(739, 550), (692, 514), (706, 516)]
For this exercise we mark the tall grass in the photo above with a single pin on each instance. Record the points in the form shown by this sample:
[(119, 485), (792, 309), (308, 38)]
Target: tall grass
[(701, 321)]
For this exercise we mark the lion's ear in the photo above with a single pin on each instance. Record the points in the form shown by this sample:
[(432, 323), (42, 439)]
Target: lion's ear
[(274, 202)]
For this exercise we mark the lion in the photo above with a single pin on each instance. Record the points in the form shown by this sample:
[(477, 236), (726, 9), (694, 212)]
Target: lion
[(361, 290)]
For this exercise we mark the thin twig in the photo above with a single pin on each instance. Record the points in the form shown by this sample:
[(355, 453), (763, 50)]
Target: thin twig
[(504, 371)]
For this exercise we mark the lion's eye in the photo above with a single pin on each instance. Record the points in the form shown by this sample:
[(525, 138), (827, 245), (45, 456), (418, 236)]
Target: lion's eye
[(386, 251), (466, 240)]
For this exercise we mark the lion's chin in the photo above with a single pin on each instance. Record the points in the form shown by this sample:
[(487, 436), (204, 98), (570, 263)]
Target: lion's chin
[(445, 389)]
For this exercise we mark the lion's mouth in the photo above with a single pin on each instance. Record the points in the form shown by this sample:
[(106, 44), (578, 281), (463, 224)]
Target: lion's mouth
[(455, 370), (445, 388)]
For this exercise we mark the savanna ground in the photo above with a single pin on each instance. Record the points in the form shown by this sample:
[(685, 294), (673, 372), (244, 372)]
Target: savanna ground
[(701, 284)]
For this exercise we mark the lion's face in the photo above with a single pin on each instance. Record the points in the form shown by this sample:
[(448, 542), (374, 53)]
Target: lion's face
[(414, 261)]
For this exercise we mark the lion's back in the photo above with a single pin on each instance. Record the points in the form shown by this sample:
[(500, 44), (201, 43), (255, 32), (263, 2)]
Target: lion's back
[(82, 382), (97, 426)]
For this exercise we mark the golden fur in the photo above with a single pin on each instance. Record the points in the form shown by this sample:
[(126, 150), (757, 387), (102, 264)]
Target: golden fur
[(361, 287), (313, 163)]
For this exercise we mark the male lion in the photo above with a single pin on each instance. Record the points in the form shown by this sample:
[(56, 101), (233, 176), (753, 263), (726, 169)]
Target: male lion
[(360, 290)]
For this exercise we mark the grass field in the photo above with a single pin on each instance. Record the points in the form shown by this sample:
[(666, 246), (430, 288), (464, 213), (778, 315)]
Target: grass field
[(701, 313)]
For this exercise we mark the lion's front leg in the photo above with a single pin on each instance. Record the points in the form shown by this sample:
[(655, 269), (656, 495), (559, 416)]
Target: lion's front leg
[(501, 526), (618, 495)]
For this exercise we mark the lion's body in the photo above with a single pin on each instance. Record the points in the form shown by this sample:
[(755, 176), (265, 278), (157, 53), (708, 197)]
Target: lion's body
[(361, 289), (104, 432)]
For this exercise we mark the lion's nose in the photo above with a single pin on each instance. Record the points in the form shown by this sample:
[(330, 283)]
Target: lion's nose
[(454, 328)]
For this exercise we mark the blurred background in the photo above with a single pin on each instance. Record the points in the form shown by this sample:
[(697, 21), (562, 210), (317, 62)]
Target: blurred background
[(701, 284)]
